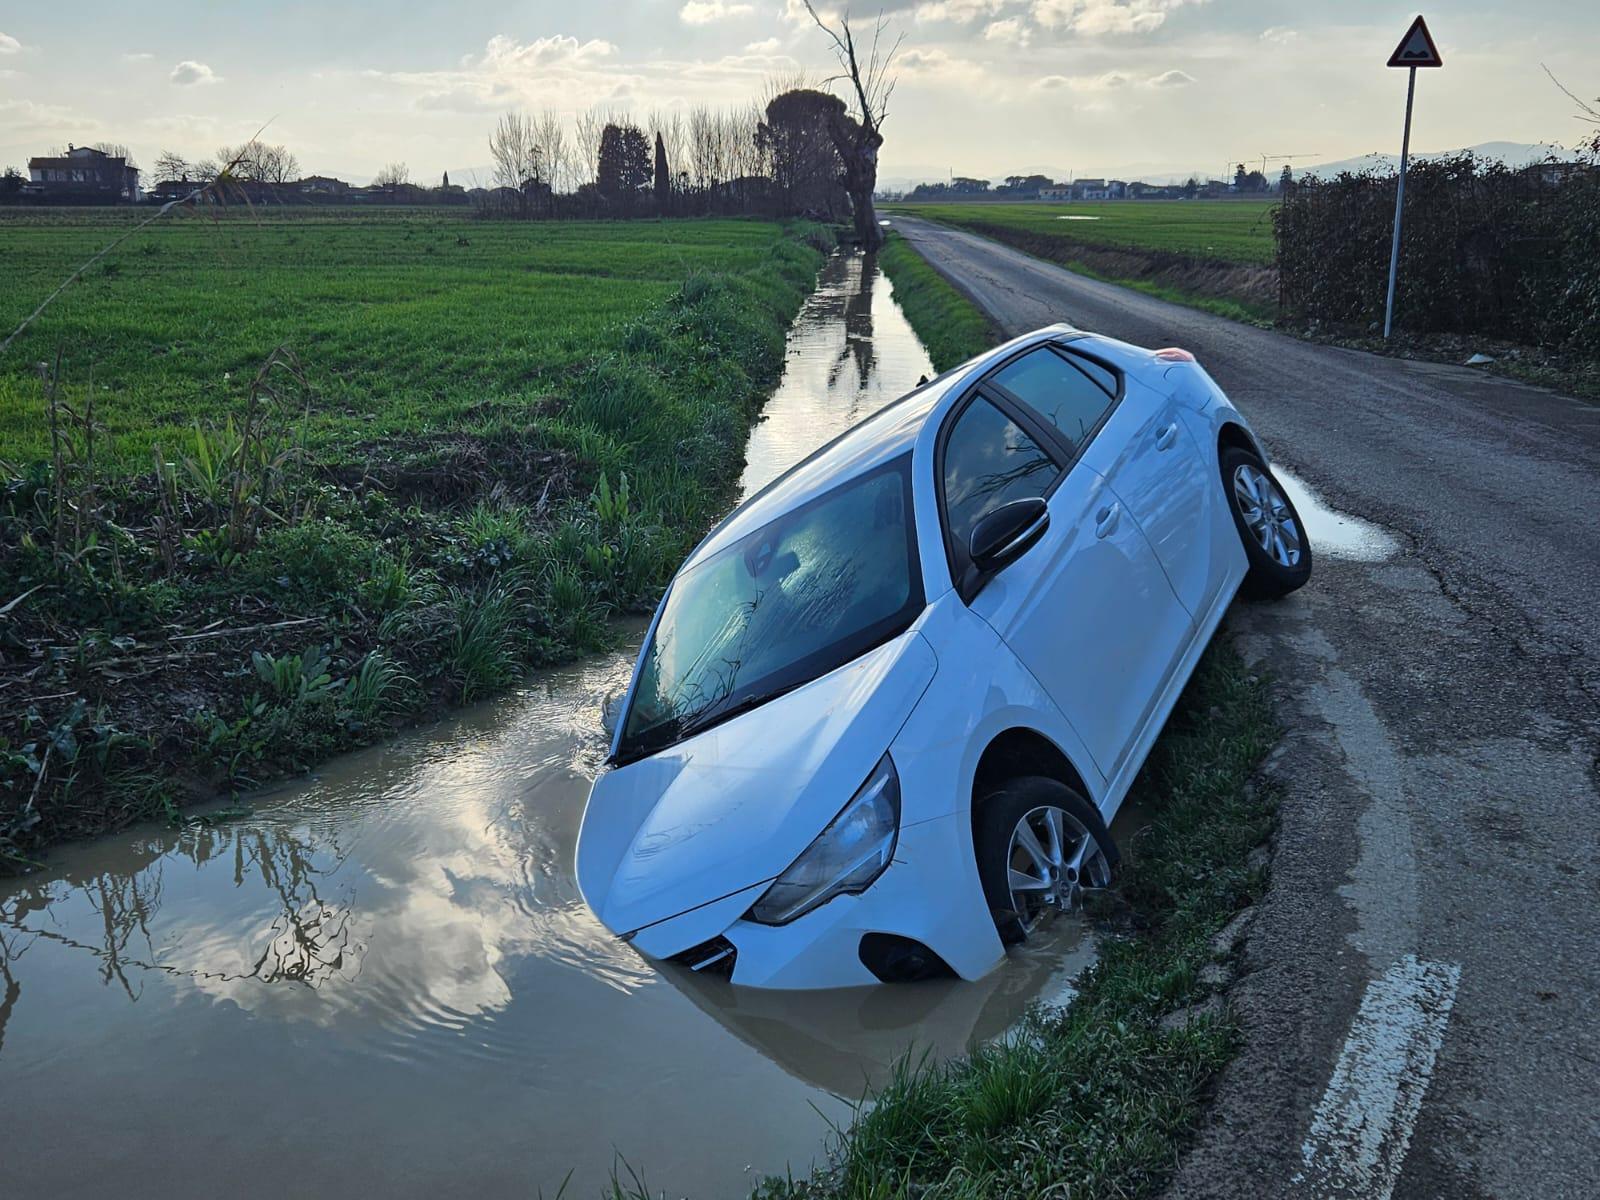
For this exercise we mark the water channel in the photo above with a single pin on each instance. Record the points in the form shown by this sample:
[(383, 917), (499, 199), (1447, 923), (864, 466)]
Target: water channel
[(384, 982)]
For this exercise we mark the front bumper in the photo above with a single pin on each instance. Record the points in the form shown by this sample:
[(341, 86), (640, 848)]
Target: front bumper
[(930, 895)]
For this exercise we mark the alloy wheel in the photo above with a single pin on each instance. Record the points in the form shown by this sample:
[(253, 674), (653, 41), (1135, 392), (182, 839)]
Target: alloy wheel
[(1051, 860), (1267, 515)]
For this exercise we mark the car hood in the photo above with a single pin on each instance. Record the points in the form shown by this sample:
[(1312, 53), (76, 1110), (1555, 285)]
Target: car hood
[(734, 806)]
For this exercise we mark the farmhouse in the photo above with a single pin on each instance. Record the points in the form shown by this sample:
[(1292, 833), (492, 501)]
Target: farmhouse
[(83, 175)]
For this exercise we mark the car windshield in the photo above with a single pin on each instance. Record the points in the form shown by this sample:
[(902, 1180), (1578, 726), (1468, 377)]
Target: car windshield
[(808, 592)]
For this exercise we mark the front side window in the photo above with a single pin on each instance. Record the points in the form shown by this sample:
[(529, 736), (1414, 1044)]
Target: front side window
[(989, 460), (803, 595), (1059, 391)]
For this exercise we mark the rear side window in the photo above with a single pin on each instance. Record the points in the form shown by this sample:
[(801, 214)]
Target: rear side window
[(1064, 394), (989, 460)]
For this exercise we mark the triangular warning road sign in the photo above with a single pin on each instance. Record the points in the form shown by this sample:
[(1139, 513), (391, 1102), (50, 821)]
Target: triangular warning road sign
[(1416, 49)]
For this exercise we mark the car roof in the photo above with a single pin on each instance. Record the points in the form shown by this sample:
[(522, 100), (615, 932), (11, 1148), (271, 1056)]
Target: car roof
[(891, 431)]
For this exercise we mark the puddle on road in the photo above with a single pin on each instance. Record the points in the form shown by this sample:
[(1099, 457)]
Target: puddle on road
[(1334, 533), (385, 982)]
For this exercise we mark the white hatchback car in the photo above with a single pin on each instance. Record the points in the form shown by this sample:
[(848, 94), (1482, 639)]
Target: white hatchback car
[(886, 710)]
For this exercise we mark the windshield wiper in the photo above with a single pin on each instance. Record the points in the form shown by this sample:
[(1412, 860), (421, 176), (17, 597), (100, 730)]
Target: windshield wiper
[(704, 719), (675, 729)]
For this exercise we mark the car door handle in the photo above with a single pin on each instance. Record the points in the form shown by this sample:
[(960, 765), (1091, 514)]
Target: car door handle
[(1166, 438), (1106, 519)]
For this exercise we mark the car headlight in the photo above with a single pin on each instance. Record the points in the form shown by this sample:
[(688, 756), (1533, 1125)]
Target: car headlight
[(846, 857)]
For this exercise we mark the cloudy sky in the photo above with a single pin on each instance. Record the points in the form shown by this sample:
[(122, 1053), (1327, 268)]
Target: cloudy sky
[(987, 87)]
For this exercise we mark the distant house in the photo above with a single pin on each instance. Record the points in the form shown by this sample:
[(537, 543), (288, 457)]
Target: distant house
[(1116, 189), (1090, 189), (1139, 190), (82, 175), (322, 185), (169, 190), (1057, 193)]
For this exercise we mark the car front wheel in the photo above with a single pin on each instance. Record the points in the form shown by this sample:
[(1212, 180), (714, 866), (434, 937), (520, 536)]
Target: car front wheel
[(1039, 845), (1274, 538)]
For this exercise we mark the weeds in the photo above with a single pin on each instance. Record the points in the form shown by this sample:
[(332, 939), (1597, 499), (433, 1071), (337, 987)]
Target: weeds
[(374, 687), (297, 678), (480, 648)]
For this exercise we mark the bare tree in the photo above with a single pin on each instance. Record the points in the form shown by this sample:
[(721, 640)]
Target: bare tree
[(116, 150), (170, 165), (258, 162), (555, 153), (1586, 113), (393, 175), (857, 134)]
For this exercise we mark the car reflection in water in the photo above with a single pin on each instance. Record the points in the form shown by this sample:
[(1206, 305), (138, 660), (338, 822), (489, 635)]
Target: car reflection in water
[(847, 1041)]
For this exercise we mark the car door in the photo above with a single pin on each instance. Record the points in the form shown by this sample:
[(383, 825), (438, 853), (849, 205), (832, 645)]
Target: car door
[(1152, 460), (1131, 435), (1087, 609)]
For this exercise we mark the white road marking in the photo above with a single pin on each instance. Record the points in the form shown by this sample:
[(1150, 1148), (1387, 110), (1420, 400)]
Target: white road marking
[(1362, 1128)]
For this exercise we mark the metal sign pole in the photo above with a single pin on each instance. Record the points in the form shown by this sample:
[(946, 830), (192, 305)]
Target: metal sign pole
[(1399, 200)]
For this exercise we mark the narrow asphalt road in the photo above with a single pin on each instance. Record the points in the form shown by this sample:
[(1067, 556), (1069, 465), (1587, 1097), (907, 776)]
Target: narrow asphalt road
[(1420, 982)]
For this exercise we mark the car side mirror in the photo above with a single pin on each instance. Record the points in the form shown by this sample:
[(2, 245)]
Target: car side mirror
[(1006, 534)]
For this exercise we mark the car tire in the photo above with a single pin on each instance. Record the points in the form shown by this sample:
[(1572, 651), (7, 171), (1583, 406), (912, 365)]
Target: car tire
[(999, 845), (1270, 529)]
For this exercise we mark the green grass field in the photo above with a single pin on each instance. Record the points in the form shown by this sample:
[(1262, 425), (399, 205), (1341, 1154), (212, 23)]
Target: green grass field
[(491, 437), (407, 322), (1233, 231)]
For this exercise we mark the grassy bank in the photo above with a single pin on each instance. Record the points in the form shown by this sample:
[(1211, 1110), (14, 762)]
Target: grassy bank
[(1096, 1099), (1214, 255), (283, 484), (951, 327)]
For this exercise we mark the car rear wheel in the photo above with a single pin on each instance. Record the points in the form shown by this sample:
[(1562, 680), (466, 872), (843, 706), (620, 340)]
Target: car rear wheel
[(1274, 538), (1040, 845)]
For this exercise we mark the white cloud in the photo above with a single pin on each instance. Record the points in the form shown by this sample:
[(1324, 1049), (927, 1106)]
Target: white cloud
[(768, 46), (32, 117), (9, 44), (1095, 17), (1109, 81), (927, 62), (1011, 31), (189, 73), (138, 56), (963, 12), (1278, 35), (1170, 79), (705, 12)]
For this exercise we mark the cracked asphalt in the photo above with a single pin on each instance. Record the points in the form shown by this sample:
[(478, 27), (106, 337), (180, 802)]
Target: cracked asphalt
[(1441, 762)]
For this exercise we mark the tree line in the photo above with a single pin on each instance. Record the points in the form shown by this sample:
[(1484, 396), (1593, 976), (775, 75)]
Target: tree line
[(802, 151)]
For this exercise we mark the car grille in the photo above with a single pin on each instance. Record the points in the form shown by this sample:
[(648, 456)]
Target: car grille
[(714, 957)]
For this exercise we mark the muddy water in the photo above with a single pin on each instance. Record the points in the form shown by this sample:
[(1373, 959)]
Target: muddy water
[(384, 981)]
